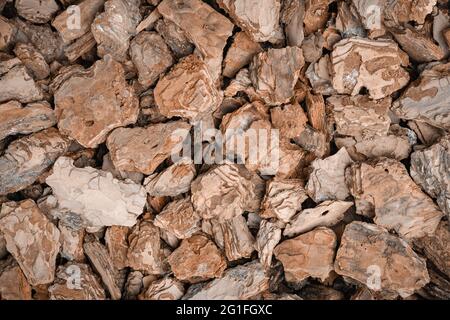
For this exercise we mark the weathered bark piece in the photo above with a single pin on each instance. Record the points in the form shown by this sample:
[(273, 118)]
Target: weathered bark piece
[(116, 240), (173, 181), (427, 98), (417, 45), (426, 133), (36, 11), (316, 15), (371, 13), (269, 235), (102, 263), (133, 285), (13, 284), (327, 180), (320, 76), (70, 26), (164, 289), (113, 28), (384, 262), (108, 165), (348, 21), (275, 72), (238, 241), (240, 54), (79, 99), (31, 239), (179, 219), (242, 83), (292, 15), (151, 56), (385, 190), (313, 141), (76, 281), (93, 198), (145, 252), (204, 26), (290, 119), (33, 60), (7, 32), (144, 149), (71, 243), (430, 170), (283, 199), (17, 120), (42, 37), (326, 214), (308, 255), (435, 247), (242, 282), (446, 34), (437, 288), (377, 66), (400, 12), (80, 47), (312, 47), (397, 144), (175, 38), (226, 192), (260, 20), (187, 91), (197, 259), (360, 117), (17, 84), (27, 158)]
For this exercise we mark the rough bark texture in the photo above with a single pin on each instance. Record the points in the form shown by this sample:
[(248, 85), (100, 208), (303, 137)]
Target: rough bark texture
[(79, 99), (32, 240), (385, 191), (373, 257)]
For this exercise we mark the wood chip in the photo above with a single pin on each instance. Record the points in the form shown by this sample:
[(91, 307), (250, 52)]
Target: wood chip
[(238, 241), (13, 283), (164, 289), (240, 54)]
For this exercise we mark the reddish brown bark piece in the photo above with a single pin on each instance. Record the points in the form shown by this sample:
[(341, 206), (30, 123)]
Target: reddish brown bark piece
[(13, 283), (179, 219), (145, 252), (144, 149), (187, 91), (206, 28), (308, 255), (175, 38), (242, 189), (113, 28), (240, 54), (151, 56), (116, 239), (316, 15), (24, 120), (275, 72), (71, 243), (79, 99), (197, 259), (17, 84), (32, 240), (260, 20), (33, 61)]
